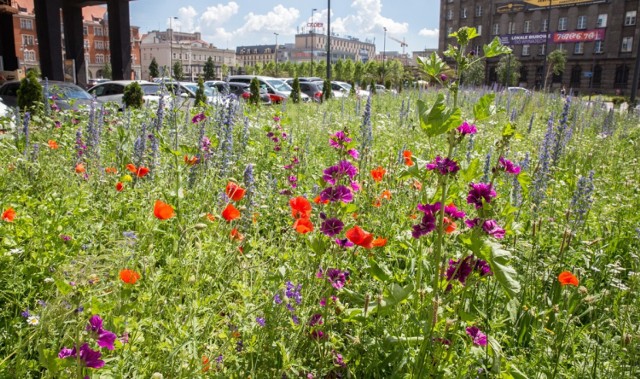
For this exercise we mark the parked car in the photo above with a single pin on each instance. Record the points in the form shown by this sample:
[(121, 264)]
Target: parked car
[(113, 91), (93, 82), (278, 90), (345, 87), (187, 90), (217, 84), (522, 90), (311, 89), (7, 118), (243, 91), (64, 95)]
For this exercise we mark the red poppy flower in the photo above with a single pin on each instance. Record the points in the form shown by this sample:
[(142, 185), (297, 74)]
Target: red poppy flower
[(140, 171), (449, 225), (236, 235), (119, 186), (205, 364), (377, 203), (52, 144), (234, 191), (567, 278), (9, 215), (190, 161), (379, 242), (378, 174), (111, 170), (80, 168), (129, 276), (163, 211), (303, 225), (318, 200), (230, 213), (300, 207), (360, 237), (408, 161)]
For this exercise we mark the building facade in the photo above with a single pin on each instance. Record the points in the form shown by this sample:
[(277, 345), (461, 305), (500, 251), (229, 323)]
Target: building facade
[(95, 35), (600, 38), (311, 44)]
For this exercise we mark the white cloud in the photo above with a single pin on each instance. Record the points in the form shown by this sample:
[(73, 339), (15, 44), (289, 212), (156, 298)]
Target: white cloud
[(280, 20), (430, 33), (219, 14), (367, 21), (186, 20)]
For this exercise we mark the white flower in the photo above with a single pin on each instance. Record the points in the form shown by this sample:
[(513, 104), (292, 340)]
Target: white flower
[(48, 280), (33, 320)]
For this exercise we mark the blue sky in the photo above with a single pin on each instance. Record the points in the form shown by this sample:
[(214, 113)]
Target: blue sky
[(245, 22)]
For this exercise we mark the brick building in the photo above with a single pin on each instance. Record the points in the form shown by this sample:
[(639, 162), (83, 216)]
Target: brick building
[(95, 35), (600, 38)]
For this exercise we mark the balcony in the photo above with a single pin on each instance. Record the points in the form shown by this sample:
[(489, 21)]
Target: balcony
[(8, 6)]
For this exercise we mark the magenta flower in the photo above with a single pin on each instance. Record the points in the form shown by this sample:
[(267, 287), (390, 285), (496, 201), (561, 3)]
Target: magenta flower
[(426, 226), (452, 211), (337, 277), (460, 269), (443, 165), (66, 352), (491, 228), (483, 268), (316, 319), (90, 358), (199, 117), (105, 338), (478, 337), (342, 169), (331, 227), (479, 192), (339, 140), (508, 166), (467, 128), (337, 193), (354, 153), (344, 243), (429, 208)]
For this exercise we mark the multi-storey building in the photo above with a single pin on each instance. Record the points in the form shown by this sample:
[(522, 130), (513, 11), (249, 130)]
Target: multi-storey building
[(597, 35), (95, 35), (169, 47), (252, 55)]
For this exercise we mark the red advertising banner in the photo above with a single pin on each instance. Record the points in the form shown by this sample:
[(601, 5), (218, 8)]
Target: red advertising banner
[(579, 36)]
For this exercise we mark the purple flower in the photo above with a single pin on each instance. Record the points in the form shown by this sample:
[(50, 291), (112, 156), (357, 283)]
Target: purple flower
[(443, 165), (106, 339), (95, 324), (443, 77), (483, 268), (344, 243), (293, 292), (66, 352), (460, 269), (354, 153), (337, 277), (317, 334), (467, 128), (491, 228), (316, 319), (260, 321), (90, 357), (452, 211), (338, 360), (199, 117), (429, 208), (25, 313), (65, 237), (339, 140), (479, 338), (277, 299), (508, 166), (355, 186), (335, 173), (472, 222), (295, 319), (331, 227), (426, 225), (337, 193), (480, 191)]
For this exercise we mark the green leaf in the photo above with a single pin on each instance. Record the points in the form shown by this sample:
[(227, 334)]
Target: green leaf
[(525, 182), (508, 131), (497, 354), (439, 119), (495, 48), (505, 274), (380, 273), (471, 172), (397, 293), (317, 245), (63, 286), (482, 109), (432, 65)]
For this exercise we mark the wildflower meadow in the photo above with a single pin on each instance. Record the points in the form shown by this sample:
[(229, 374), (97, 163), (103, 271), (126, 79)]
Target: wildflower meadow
[(444, 233)]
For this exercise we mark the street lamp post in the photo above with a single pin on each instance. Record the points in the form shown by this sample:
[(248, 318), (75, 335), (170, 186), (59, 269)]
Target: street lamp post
[(384, 55), (313, 28), (546, 48), (329, 40), (171, 46), (276, 52)]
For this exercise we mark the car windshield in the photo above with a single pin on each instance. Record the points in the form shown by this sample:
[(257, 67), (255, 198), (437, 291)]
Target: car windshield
[(68, 92), (150, 89), (345, 85), (279, 85), (194, 88)]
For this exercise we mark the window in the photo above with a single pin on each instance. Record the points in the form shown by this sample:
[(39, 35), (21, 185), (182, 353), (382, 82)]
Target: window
[(562, 23), (622, 77), (463, 13), (27, 40), (627, 45), (450, 14), (602, 21), (86, 44), (97, 31), (582, 22), (479, 29), (545, 25), (630, 18), (26, 24), (542, 49), (478, 10), (496, 29), (99, 58), (527, 26), (512, 28), (99, 45), (449, 30), (526, 50), (29, 55), (85, 30), (578, 48), (599, 47)]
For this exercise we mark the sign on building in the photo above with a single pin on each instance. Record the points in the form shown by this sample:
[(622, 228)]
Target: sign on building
[(558, 37)]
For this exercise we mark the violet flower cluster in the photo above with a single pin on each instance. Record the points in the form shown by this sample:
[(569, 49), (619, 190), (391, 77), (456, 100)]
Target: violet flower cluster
[(89, 357)]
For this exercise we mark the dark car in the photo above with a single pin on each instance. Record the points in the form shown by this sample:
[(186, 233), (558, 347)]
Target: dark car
[(243, 91), (64, 95), (313, 89)]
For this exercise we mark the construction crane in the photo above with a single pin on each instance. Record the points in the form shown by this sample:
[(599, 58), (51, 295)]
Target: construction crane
[(402, 43)]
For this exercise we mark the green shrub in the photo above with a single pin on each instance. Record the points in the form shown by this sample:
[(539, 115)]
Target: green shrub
[(30, 93), (255, 92), (326, 89), (201, 97), (372, 87), (132, 97), (295, 90)]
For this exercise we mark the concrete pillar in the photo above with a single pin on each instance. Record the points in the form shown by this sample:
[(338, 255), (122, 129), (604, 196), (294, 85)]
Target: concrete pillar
[(49, 41), (120, 39), (74, 41)]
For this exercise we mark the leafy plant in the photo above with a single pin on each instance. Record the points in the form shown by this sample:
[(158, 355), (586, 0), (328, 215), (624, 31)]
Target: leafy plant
[(133, 96), (30, 93)]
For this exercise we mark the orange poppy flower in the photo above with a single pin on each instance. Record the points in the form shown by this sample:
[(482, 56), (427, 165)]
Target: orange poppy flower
[(234, 191), (52, 144), (378, 174), (300, 207), (236, 235), (190, 161), (303, 225), (230, 213), (211, 217), (131, 167), (449, 225), (379, 242), (376, 203), (205, 364), (163, 211), (80, 168), (129, 276), (111, 170), (417, 185), (566, 278), (360, 237), (9, 215), (318, 200), (119, 186), (408, 161), (140, 171), (386, 194)]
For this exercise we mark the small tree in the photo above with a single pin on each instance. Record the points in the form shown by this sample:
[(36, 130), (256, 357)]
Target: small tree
[(255, 92), (29, 92), (508, 70), (352, 91), (474, 75), (177, 70), (201, 97), (372, 87), (132, 97), (106, 71), (154, 70), (295, 90), (556, 61), (326, 89), (209, 69)]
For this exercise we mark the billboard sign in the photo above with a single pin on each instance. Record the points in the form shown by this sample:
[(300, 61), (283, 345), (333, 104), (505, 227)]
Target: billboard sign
[(524, 39), (556, 3), (530, 5), (579, 36)]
